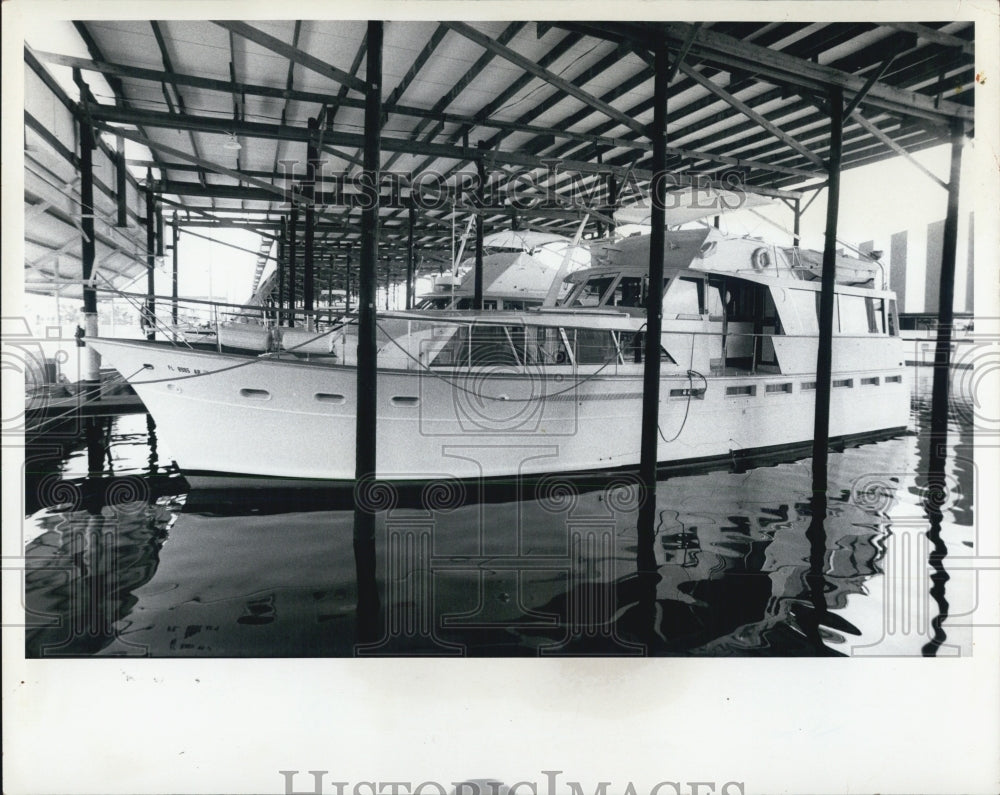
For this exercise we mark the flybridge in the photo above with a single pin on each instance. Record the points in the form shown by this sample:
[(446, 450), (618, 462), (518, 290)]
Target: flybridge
[(710, 250)]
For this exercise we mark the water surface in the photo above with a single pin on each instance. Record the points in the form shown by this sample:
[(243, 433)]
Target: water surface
[(130, 562)]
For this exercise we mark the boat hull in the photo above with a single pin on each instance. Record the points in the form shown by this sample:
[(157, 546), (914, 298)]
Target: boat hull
[(283, 418)]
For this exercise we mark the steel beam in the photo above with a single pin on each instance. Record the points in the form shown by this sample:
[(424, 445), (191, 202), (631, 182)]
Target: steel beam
[(297, 133), (549, 77), (219, 169), (750, 113), (300, 57), (722, 51), (875, 131), (935, 36)]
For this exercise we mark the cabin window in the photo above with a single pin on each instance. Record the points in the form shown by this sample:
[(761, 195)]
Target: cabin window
[(876, 315), (894, 379), (595, 346), (482, 345), (630, 291), (591, 292), (683, 298), (489, 304), (799, 313), (853, 314), (544, 345), (492, 345), (632, 347)]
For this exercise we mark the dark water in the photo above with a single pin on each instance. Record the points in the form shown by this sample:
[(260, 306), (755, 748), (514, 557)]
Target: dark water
[(131, 563)]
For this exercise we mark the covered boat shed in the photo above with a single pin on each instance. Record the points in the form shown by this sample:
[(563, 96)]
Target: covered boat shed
[(139, 132)]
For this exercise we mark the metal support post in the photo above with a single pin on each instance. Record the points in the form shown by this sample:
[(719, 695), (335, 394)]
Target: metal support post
[(92, 369), (477, 299), (824, 358), (121, 183), (150, 308), (347, 298), (654, 311), (173, 281), (293, 232), (282, 241), (410, 255), (946, 301), (309, 275), (366, 435)]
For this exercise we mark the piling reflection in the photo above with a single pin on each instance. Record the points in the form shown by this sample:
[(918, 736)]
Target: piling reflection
[(83, 571)]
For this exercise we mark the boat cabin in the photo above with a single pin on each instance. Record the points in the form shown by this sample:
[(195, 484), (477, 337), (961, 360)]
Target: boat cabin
[(737, 303)]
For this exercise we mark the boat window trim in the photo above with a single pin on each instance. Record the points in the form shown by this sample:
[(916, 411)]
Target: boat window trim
[(570, 349), (513, 347)]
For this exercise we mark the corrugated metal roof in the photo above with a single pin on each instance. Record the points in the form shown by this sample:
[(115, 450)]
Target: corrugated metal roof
[(533, 92)]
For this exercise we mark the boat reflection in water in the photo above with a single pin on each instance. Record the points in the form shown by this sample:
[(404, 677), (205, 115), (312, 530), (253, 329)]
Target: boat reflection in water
[(745, 564)]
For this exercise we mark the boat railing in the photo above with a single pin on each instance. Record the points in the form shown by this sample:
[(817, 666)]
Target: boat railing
[(186, 320)]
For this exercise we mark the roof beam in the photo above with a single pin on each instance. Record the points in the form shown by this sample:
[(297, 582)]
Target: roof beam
[(782, 69), (934, 36), (117, 88), (300, 57), (480, 119), (682, 53), (418, 63), (549, 77), (169, 67), (856, 115), (749, 112), (107, 113), (215, 167), (289, 80), (788, 70), (873, 78), (470, 74)]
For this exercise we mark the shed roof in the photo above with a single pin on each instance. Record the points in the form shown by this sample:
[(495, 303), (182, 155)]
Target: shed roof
[(216, 119)]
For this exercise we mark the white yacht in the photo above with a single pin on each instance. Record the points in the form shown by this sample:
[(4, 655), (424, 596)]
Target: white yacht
[(500, 394)]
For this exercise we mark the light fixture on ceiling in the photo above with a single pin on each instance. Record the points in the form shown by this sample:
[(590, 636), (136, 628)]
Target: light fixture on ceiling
[(231, 142)]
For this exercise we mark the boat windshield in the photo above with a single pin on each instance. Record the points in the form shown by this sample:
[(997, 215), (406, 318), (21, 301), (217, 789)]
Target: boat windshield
[(610, 290)]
